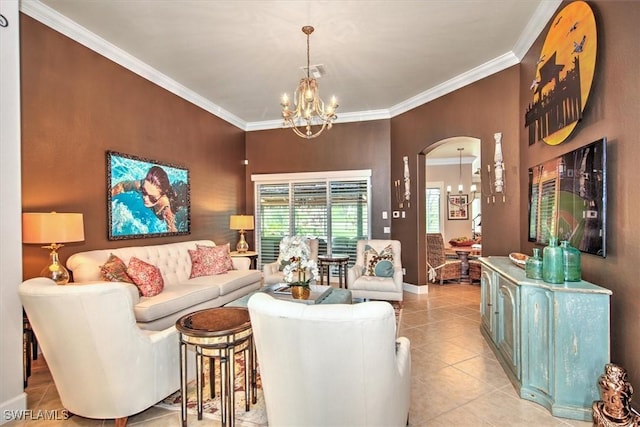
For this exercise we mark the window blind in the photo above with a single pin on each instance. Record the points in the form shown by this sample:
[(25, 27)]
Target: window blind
[(433, 208), (349, 216), (335, 211), (547, 215), (273, 217)]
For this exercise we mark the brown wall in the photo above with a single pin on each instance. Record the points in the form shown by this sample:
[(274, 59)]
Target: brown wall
[(478, 110), (77, 104), (612, 110), (349, 146)]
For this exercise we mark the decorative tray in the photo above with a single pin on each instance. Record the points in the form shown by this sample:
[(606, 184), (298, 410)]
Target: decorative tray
[(462, 242), (518, 259)]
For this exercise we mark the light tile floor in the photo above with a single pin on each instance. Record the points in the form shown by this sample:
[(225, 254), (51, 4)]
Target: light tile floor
[(456, 379)]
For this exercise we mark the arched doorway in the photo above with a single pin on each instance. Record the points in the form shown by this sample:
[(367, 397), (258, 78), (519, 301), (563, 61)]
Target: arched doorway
[(450, 162)]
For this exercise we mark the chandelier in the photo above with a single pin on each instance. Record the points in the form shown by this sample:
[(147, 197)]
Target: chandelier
[(309, 110), (472, 189)]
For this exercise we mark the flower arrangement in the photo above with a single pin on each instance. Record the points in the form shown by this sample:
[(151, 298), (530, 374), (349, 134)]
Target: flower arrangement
[(296, 260)]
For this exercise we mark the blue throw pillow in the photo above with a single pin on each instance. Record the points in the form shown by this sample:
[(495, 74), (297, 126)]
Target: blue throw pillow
[(379, 264)]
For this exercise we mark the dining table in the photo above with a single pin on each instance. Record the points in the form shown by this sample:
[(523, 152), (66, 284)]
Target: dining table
[(463, 253)]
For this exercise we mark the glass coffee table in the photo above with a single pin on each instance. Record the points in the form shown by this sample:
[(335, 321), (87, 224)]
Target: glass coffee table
[(329, 295)]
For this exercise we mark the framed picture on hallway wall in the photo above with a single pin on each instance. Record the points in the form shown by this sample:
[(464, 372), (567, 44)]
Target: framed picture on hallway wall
[(146, 198), (457, 207)]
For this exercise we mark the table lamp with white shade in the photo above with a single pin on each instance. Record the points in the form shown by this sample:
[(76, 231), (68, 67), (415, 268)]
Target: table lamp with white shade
[(53, 229), (241, 223)]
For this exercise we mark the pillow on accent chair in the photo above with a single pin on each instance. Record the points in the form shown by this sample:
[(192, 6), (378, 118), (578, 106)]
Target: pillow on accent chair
[(147, 277), (115, 270), (378, 264)]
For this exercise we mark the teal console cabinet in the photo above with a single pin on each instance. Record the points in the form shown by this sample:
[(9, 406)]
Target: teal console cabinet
[(551, 340)]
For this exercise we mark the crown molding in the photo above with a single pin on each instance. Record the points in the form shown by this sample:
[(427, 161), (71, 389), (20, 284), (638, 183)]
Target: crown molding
[(534, 27), (80, 34), (488, 68), (358, 116)]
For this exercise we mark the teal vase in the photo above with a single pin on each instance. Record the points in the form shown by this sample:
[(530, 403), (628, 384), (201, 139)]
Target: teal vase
[(533, 266), (571, 262), (552, 262)]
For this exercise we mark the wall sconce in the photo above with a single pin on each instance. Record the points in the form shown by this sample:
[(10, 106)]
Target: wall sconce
[(241, 223), (401, 196), (496, 182), (55, 229)]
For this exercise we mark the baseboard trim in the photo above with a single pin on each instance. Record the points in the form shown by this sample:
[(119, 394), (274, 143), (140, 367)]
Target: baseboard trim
[(13, 409), (415, 289)]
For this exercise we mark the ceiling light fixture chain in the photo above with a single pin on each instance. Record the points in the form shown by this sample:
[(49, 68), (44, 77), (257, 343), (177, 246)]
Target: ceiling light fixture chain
[(309, 108), (473, 188)]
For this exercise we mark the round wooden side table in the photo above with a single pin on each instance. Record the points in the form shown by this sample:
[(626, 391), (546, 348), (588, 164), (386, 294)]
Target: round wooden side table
[(326, 261), (217, 333)]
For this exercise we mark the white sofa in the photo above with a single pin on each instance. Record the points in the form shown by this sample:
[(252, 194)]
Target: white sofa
[(103, 365), (181, 295), (331, 364)]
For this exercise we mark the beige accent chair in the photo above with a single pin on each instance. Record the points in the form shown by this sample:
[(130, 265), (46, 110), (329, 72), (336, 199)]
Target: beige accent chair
[(272, 273), (331, 364), (438, 266), (103, 365), (371, 287)]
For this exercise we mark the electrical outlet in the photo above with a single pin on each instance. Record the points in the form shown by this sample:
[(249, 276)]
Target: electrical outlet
[(387, 230), (385, 215), (404, 271), (403, 214)]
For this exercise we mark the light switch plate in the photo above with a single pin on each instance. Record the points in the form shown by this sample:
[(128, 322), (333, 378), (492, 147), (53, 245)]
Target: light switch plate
[(387, 230)]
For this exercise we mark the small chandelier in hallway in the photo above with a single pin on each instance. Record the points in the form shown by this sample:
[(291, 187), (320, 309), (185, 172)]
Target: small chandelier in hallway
[(309, 108), (472, 189)]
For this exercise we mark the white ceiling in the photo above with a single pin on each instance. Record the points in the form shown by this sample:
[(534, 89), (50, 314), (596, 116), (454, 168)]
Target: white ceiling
[(236, 58)]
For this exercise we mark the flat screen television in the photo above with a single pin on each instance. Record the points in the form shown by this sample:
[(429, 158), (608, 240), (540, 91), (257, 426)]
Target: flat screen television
[(568, 199)]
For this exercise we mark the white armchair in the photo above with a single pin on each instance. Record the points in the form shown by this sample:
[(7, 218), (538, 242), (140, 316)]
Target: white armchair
[(386, 287), (272, 273), (331, 364), (103, 365)]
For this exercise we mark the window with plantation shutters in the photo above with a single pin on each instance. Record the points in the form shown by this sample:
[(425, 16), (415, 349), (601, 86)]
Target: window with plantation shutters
[(332, 207), (533, 213), (310, 209), (543, 205), (547, 208), (349, 216), (433, 210), (273, 218)]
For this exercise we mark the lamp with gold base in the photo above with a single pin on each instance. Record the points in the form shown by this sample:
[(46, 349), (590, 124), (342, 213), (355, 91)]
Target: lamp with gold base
[(241, 223), (53, 228)]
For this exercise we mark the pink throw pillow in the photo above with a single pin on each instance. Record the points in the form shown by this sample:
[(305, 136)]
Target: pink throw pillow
[(147, 277), (208, 261), (223, 251), (197, 267)]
